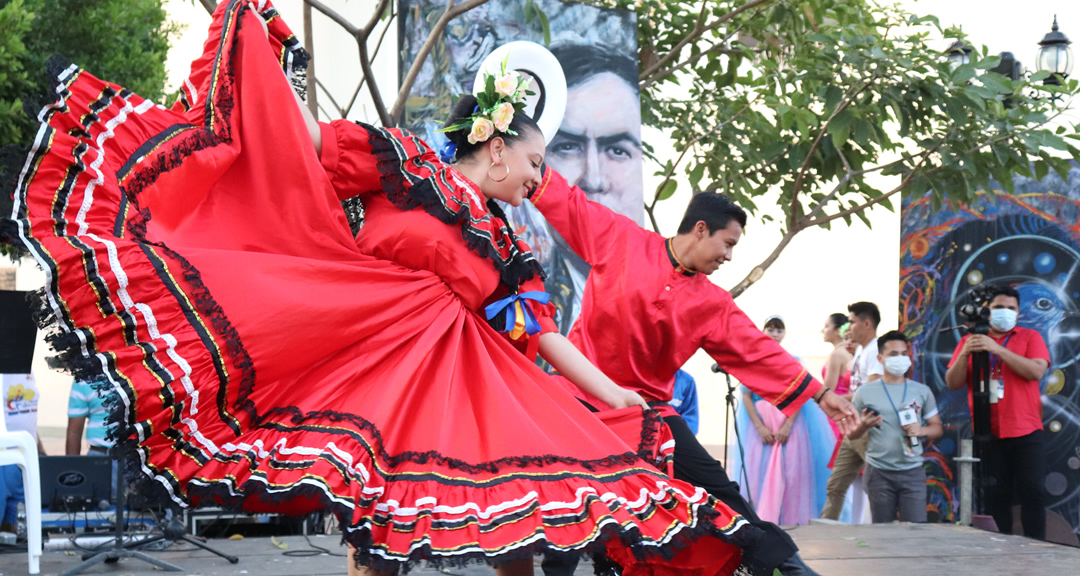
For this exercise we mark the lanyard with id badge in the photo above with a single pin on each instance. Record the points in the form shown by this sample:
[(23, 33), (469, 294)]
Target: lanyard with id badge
[(997, 379), (907, 416)]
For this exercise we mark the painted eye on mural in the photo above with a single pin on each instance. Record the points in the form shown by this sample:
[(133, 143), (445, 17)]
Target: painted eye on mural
[(1044, 304)]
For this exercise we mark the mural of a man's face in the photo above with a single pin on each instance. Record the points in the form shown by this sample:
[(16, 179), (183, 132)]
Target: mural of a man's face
[(598, 146)]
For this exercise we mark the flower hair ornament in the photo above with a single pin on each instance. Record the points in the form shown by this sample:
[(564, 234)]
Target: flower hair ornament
[(502, 97)]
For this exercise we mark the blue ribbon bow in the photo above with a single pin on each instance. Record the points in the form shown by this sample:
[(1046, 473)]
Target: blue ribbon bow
[(532, 325), (448, 151)]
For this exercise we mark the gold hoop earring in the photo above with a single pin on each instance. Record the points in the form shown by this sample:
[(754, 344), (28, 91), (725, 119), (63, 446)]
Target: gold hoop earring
[(505, 176)]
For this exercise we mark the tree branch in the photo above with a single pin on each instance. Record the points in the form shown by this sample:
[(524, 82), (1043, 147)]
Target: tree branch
[(698, 30), (310, 80), (337, 107), (209, 5), (333, 15), (451, 12)]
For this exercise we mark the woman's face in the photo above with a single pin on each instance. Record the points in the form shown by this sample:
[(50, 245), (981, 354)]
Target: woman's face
[(516, 170), (775, 333), (830, 333), (849, 344)]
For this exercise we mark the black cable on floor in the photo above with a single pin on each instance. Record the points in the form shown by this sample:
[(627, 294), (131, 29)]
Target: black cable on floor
[(314, 551)]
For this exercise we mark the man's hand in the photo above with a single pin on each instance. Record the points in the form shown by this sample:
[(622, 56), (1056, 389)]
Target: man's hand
[(839, 410), (767, 436), (914, 430), (982, 343), (623, 398)]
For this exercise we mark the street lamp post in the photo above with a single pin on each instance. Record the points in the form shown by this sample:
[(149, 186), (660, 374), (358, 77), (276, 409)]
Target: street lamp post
[(1055, 56)]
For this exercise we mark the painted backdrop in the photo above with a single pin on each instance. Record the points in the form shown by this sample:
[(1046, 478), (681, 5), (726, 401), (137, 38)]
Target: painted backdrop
[(598, 146), (1030, 239)]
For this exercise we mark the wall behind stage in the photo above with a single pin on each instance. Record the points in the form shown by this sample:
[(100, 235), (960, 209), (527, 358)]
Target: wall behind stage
[(1030, 239), (598, 146)]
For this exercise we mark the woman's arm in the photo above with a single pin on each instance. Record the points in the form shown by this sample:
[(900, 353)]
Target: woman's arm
[(834, 368), (571, 363), (309, 119), (766, 434)]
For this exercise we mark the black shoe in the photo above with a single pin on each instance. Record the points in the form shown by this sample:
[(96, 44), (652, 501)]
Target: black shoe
[(795, 566)]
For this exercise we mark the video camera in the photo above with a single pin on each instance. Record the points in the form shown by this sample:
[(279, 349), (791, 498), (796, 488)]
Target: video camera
[(976, 313)]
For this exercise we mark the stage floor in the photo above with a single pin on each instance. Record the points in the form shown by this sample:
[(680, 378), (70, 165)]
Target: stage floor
[(832, 550)]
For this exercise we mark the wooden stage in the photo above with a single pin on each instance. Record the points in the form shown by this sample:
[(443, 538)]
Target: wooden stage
[(832, 550)]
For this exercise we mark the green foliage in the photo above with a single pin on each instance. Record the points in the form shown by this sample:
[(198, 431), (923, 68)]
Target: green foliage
[(838, 105), (124, 41)]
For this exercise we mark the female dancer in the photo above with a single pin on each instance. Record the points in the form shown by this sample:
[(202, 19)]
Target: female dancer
[(268, 358), (786, 459), (837, 371)]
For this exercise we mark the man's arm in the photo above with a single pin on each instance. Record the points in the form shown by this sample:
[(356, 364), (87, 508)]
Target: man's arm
[(75, 427), (762, 365), (591, 229), (956, 377), (932, 431), (1026, 368)]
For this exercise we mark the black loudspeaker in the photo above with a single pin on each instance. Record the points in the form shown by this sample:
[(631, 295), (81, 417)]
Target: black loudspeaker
[(18, 332)]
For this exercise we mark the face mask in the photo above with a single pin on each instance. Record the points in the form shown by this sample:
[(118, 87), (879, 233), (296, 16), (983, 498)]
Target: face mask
[(1002, 319), (897, 365)]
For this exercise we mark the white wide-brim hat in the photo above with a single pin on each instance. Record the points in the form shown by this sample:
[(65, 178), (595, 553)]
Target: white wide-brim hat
[(548, 105)]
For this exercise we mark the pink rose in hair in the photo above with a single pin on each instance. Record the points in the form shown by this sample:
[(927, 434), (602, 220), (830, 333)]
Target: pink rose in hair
[(482, 129), (507, 84), (502, 116)]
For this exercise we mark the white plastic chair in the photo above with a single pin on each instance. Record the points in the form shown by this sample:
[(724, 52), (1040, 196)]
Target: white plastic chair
[(20, 448)]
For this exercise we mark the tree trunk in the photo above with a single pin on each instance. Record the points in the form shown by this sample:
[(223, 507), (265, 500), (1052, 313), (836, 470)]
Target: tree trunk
[(309, 45)]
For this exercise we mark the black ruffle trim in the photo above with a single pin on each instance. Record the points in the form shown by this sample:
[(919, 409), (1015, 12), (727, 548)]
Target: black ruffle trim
[(520, 267)]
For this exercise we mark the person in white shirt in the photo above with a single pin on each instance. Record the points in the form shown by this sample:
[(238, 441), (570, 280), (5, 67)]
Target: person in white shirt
[(21, 397), (851, 457)]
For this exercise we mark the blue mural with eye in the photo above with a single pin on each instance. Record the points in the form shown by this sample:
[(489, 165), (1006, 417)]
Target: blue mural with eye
[(1031, 240)]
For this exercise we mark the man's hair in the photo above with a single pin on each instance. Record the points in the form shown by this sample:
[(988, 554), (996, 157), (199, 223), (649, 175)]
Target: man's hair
[(866, 311), (583, 61), (890, 336), (714, 209), (1003, 289)]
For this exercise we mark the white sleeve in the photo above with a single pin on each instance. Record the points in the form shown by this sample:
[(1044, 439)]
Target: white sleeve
[(874, 367)]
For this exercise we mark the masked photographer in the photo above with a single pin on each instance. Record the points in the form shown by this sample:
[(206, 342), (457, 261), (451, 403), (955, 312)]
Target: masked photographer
[(897, 413), (1018, 361)]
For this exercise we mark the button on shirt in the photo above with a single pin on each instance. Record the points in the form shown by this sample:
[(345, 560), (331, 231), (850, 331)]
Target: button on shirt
[(643, 313), (1019, 413)]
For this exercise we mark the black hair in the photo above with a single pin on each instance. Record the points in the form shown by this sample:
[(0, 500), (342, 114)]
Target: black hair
[(775, 322), (890, 336), (838, 320), (522, 124), (582, 61), (714, 209), (866, 311), (1002, 289)]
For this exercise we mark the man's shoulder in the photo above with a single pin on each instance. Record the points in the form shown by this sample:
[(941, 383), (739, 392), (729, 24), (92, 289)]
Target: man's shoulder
[(919, 387), (1023, 333)]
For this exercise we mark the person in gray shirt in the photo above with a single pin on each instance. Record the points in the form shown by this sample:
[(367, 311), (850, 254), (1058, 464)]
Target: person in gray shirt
[(897, 413)]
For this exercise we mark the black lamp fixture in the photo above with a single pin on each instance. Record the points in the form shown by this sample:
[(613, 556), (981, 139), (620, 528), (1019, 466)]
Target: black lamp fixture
[(958, 54), (1055, 56)]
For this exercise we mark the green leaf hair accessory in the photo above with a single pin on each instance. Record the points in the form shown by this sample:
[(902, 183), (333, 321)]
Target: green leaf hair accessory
[(501, 98)]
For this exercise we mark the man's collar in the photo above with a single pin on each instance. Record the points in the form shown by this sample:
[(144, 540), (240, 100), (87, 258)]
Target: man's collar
[(675, 263)]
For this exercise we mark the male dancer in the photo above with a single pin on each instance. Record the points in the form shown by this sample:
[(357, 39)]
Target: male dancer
[(648, 307)]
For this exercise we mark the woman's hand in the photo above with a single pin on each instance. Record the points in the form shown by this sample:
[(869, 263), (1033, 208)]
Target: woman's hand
[(784, 432), (767, 436), (623, 398)]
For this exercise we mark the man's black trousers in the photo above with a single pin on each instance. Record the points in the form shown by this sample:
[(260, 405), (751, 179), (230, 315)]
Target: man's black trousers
[(694, 465)]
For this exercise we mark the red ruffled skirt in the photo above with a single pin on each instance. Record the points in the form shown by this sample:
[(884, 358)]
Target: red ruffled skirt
[(198, 261)]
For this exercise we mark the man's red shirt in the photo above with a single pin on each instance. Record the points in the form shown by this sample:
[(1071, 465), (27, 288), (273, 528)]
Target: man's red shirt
[(1019, 413), (643, 314)]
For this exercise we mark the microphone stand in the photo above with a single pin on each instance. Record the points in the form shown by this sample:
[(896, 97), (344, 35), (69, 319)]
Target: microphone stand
[(730, 414)]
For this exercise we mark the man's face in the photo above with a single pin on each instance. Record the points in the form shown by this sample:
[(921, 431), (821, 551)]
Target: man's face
[(894, 348), (858, 327), (1004, 301), (712, 250), (598, 146)]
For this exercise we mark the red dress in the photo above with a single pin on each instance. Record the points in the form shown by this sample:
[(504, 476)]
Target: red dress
[(198, 259)]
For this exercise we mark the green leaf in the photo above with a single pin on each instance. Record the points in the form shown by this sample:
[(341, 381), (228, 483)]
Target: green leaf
[(996, 82), (529, 11), (544, 25), (1039, 76), (696, 174), (963, 73), (1041, 169), (668, 189), (840, 128), (988, 62)]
